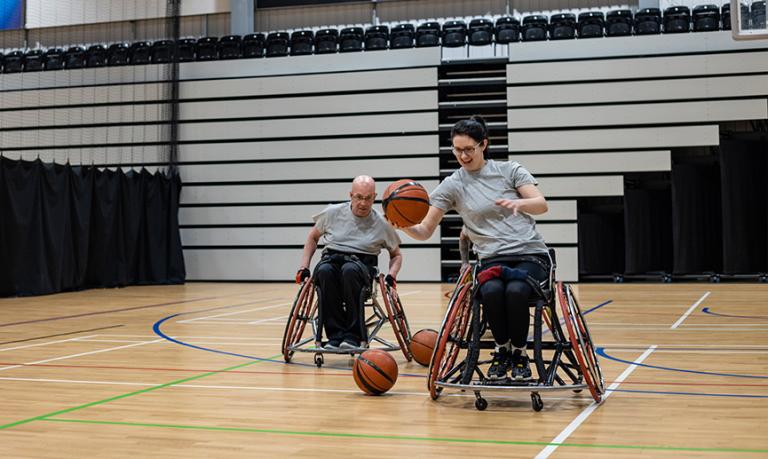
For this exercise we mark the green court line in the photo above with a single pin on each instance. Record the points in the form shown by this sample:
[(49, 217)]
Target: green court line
[(412, 438), (130, 394)]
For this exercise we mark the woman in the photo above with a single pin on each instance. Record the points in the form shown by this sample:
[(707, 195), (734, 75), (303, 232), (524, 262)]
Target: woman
[(496, 200)]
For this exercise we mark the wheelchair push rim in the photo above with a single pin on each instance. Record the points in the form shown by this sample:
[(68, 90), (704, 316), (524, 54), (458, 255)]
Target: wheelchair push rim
[(294, 329), (396, 316)]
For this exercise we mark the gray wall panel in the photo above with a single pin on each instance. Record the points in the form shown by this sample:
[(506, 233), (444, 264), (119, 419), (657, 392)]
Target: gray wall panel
[(558, 233), (575, 163), (608, 185), (559, 210), (291, 236)]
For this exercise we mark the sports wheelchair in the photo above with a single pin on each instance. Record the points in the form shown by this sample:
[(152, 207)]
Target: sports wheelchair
[(570, 363), (306, 310)]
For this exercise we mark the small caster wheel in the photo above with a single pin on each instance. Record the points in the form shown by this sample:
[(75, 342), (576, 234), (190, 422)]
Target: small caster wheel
[(577, 391), (618, 279), (764, 278), (666, 278), (536, 401), (714, 278), (319, 360), (481, 404)]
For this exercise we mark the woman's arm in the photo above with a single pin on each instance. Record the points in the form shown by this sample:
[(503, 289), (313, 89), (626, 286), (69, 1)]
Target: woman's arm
[(531, 201), (424, 230)]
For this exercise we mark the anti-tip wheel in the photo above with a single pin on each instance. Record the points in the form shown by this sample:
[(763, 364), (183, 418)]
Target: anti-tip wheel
[(319, 360), (481, 404), (536, 402)]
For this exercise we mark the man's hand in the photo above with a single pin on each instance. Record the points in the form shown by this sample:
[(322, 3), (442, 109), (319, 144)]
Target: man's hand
[(391, 281), (302, 274)]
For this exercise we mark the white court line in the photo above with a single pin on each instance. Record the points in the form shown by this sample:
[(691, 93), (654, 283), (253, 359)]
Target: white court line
[(46, 343), (261, 321), (234, 313), (199, 337), (82, 354), (562, 436), (698, 324), (689, 311)]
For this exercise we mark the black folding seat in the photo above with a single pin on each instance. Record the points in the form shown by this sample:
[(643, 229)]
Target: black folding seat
[(117, 54), (428, 34), (207, 49), (534, 28), (507, 30), (230, 47), (14, 62), (185, 49), (33, 60), (96, 56), (162, 52), (402, 36), (454, 34), (351, 39), (562, 26), (302, 42), (618, 23), (648, 21), (758, 14), (277, 44), (2, 61), (480, 32), (591, 24), (253, 45), (376, 38), (140, 53), (75, 58), (677, 19), (54, 59), (725, 14), (326, 41), (706, 18)]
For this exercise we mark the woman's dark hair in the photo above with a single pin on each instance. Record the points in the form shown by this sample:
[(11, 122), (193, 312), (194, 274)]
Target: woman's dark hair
[(473, 127)]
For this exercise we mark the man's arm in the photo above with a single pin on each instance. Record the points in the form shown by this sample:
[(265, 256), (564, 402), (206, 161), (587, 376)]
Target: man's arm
[(395, 261), (309, 248)]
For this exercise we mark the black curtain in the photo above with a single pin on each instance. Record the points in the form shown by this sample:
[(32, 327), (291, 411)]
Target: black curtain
[(696, 218), (601, 242), (68, 227), (745, 200), (648, 230)]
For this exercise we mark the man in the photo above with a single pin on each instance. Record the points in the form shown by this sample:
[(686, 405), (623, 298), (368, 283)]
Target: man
[(354, 235)]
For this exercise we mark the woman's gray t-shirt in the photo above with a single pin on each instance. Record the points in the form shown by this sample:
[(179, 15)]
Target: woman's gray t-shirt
[(346, 232), (493, 229)]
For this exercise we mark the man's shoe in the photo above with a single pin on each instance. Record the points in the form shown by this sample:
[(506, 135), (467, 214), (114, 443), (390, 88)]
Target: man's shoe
[(349, 344), (499, 364), (521, 370)]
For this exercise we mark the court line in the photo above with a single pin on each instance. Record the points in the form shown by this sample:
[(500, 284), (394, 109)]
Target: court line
[(570, 428), (601, 352), (60, 334), (689, 311), (709, 311), (410, 437), (215, 316), (81, 354), (59, 341)]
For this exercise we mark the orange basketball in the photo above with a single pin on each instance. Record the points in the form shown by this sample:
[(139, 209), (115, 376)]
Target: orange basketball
[(405, 203), (422, 345), (375, 371)]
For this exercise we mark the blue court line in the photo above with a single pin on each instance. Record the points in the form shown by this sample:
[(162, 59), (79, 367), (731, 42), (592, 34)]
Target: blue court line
[(562, 321), (601, 352), (709, 311), (701, 394)]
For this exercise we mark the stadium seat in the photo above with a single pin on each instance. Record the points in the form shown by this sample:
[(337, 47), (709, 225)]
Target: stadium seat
[(54, 59), (326, 41), (140, 53), (725, 14), (230, 47), (758, 14), (377, 38), (562, 26), (648, 21), (507, 30), (534, 28), (74, 58), (706, 18), (117, 54), (96, 56), (428, 34), (454, 34), (185, 49), (351, 39), (402, 36), (277, 44), (618, 23), (253, 45), (677, 19), (591, 24), (207, 49), (14, 62), (162, 52), (302, 42), (33, 60), (480, 32)]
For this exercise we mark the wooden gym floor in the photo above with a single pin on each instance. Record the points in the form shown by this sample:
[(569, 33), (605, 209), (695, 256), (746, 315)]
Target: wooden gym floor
[(196, 371)]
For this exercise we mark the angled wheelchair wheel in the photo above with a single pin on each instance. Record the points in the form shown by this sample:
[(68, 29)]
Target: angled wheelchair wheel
[(452, 334), (396, 316), (581, 341), (301, 313)]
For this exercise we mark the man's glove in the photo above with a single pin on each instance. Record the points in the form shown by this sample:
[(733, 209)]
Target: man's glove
[(302, 274), (391, 281)]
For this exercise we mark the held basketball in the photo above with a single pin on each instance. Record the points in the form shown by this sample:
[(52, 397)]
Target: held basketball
[(375, 371), (422, 345), (405, 203)]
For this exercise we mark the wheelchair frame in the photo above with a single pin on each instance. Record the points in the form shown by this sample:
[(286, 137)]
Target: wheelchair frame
[(572, 358), (305, 310)]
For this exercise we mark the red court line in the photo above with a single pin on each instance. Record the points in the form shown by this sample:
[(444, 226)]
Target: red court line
[(60, 334)]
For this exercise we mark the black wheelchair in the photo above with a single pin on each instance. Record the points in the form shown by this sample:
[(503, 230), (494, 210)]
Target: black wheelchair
[(377, 313), (561, 362)]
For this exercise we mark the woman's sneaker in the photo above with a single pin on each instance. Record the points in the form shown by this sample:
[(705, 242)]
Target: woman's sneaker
[(499, 365), (521, 370)]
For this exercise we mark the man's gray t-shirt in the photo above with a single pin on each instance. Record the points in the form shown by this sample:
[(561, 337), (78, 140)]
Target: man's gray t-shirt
[(346, 232), (493, 229)]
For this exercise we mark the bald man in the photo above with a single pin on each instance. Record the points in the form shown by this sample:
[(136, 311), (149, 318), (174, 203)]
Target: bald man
[(354, 234)]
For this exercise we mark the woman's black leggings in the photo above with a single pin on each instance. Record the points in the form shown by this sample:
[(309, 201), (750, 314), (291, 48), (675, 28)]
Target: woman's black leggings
[(505, 303)]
